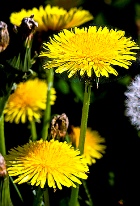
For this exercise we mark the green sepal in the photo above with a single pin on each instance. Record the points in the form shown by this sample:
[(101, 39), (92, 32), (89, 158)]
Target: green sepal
[(5, 199)]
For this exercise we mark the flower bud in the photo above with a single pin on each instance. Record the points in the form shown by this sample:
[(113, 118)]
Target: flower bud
[(3, 171), (4, 36), (59, 126)]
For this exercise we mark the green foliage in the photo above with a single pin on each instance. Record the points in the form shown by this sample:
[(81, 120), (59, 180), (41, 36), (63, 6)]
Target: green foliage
[(77, 88), (121, 3), (63, 86), (111, 178), (137, 11), (125, 80), (100, 19)]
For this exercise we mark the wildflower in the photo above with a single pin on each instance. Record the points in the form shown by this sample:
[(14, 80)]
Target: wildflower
[(27, 101), (89, 50), (54, 161), (132, 102), (53, 18), (93, 147)]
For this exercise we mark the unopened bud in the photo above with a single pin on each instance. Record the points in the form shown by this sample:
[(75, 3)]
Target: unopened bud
[(26, 29), (3, 171), (29, 23), (4, 36), (59, 126)]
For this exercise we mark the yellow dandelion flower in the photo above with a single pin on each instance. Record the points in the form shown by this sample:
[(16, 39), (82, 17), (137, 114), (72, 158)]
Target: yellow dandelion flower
[(53, 18), (28, 101), (93, 148), (89, 50), (40, 161)]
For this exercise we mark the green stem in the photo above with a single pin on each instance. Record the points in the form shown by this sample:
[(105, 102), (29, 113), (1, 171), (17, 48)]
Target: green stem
[(4, 99), (74, 196), (2, 138), (39, 197), (84, 119), (46, 197), (87, 192), (16, 188), (33, 130), (47, 113), (5, 199), (2, 104)]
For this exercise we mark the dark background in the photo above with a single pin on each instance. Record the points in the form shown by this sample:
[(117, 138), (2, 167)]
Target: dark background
[(116, 176)]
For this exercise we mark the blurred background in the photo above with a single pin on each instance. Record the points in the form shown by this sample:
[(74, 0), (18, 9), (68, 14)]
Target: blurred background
[(114, 180)]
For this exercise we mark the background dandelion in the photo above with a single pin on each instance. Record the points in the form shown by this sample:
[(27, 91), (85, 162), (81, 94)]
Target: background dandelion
[(94, 144), (28, 101), (53, 18)]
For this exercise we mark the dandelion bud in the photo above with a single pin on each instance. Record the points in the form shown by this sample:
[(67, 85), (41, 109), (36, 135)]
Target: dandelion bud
[(21, 58), (3, 171), (4, 36), (29, 23), (59, 126), (27, 28)]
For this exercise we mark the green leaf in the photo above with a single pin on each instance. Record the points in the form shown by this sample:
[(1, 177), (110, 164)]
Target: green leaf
[(78, 89), (63, 86)]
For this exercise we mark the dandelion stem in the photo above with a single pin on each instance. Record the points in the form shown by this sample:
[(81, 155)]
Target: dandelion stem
[(47, 113), (2, 104), (87, 192), (5, 199), (46, 197), (33, 130), (2, 138), (74, 196), (16, 188), (84, 119), (4, 98), (39, 197)]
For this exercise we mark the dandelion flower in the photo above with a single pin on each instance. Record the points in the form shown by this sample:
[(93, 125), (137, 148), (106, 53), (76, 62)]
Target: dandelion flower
[(28, 101), (89, 50), (93, 147), (40, 161), (132, 102), (53, 18)]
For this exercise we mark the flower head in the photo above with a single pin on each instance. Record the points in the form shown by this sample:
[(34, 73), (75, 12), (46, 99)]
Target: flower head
[(89, 50), (93, 148), (53, 18), (28, 101), (132, 102), (54, 161)]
